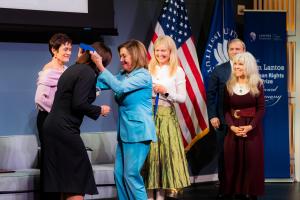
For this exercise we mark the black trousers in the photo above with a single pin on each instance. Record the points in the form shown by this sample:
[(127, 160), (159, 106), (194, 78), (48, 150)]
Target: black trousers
[(220, 136), (40, 122), (41, 117)]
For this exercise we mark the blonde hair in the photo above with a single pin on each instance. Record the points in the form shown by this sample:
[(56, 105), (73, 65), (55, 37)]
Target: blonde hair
[(138, 53), (173, 61), (251, 73)]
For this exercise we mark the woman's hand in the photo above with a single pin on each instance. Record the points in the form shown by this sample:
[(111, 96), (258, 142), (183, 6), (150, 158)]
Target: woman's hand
[(246, 129), (157, 88), (238, 131), (105, 109), (97, 59)]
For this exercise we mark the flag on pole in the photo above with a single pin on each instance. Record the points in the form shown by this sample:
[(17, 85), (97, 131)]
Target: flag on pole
[(222, 30), (192, 115)]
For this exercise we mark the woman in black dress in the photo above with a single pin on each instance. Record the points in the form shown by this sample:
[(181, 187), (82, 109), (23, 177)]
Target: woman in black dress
[(67, 168)]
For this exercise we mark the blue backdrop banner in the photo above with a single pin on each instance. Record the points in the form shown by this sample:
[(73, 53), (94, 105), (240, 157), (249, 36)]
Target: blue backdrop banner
[(265, 38)]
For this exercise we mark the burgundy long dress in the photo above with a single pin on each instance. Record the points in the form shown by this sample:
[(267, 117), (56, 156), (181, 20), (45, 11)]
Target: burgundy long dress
[(244, 157)]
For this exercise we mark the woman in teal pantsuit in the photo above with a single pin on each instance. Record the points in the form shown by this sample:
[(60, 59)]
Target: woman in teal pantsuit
[(136, 129)]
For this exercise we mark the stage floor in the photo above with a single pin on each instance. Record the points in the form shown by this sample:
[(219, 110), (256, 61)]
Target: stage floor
[(273, 191)]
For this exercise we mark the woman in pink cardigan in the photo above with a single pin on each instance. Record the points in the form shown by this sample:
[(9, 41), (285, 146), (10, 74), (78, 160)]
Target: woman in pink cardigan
[(60, 46)]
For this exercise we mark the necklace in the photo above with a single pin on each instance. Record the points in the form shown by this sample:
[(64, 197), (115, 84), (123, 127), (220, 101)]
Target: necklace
[(240, 89)]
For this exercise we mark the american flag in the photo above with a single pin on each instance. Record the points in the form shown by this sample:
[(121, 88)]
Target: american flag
[(192, 114)]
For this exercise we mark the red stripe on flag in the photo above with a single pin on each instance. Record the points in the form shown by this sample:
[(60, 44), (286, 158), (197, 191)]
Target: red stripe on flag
[(194, 101), (148, 56), (185, 143), (153, 40), (194, 70), (154, 37), (187, 118)]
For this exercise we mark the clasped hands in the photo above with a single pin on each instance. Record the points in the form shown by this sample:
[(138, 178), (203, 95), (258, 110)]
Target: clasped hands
[(241, 131)]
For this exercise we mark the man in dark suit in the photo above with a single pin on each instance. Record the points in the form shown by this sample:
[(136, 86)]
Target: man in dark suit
[(215, 97)]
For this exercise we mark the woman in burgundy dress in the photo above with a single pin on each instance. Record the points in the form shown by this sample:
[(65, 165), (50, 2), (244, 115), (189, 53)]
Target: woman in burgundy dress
[(243, 147)]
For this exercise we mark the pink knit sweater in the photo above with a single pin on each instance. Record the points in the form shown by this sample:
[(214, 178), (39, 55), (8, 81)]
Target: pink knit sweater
[(46, 88)]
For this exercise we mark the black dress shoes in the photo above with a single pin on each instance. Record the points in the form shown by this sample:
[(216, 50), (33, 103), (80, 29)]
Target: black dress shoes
[(220, 196), (250, 197), (223, 197), (245, 197)]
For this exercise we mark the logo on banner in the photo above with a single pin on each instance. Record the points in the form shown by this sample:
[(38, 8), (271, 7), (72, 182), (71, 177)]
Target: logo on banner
[(216, 52), (252, 36), (264, 36)]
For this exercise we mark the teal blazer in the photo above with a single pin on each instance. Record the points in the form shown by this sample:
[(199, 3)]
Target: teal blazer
[(133, 94)]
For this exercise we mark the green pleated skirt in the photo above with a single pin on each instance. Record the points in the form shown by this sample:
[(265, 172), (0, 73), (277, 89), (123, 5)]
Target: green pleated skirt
[(166, 165)]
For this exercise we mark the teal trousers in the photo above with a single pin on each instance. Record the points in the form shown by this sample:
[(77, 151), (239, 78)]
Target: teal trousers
[(130, 158)]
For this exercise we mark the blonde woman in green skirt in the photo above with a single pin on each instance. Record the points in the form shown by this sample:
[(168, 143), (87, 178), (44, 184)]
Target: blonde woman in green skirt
[(166, 166)]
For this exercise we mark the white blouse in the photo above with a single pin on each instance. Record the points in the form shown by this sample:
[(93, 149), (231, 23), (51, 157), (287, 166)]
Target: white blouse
[(174, 85)]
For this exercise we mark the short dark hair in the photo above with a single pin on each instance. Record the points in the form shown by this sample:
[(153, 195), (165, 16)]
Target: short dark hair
[(57, 40), (103, 50)]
